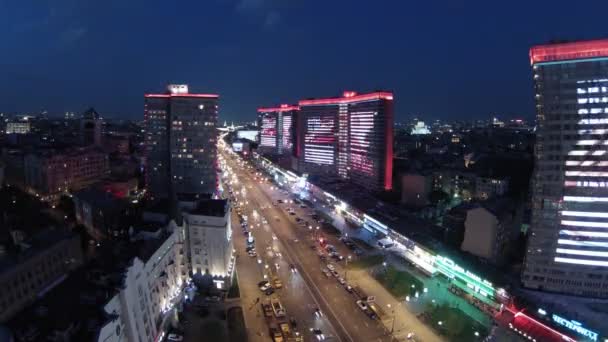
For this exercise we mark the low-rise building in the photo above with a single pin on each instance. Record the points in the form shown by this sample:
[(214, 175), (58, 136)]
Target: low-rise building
[(488, 187), (18, 127), (50, 173), (31, 267), (101, 213), (416, 189), (489, 227), (208, 230)]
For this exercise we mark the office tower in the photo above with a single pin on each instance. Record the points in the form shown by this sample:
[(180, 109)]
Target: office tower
[(277, 129), (568, 245), (181, 134), (350, 137), (90, 128)]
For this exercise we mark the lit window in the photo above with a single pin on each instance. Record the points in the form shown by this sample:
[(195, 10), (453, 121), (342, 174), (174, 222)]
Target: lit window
[(582, 101), (581, 91), (594, 90)]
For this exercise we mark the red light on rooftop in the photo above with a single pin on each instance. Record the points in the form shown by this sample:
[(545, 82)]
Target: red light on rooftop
[(569, 51), (211, 96), (281, 108), (348, 99)]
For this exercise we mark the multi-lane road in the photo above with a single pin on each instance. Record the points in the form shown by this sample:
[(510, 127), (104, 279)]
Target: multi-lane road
[(304, 290)]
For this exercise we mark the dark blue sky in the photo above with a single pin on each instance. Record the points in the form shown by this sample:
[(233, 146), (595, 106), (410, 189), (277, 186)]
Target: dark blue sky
[(443, 59)]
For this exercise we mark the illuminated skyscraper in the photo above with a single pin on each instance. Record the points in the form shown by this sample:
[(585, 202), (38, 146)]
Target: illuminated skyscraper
[(568, 245), (277, 129), (350, 137), (181, 134)]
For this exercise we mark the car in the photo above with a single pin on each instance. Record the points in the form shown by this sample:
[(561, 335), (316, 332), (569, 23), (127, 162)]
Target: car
[(335, 273), (291, 213), (318, 334), (326, 272), (253, 254), (348, 288), (269, 291), (362, 305), (298, 219), (175, 337), (410, 335), (274, 237), (318, 312), (250, 248), (341, 280), (213, 299), (331, 267), (245, 232), (292, 267)]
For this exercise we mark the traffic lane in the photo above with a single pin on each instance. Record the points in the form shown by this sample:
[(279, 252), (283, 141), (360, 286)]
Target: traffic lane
[(405, 318), (342, 303), (298, 306), (248, 273), (322, 303)]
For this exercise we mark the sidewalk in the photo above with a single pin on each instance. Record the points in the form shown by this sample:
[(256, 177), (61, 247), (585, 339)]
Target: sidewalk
[(405, 320)]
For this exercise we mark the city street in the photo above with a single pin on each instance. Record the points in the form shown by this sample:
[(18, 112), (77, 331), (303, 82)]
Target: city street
[(338, 304)]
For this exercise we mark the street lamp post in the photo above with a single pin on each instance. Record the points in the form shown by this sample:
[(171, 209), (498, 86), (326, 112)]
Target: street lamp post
[(346, 268)]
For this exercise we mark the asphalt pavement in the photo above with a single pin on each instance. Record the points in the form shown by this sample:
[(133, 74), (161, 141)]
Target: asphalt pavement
[(294, 241)]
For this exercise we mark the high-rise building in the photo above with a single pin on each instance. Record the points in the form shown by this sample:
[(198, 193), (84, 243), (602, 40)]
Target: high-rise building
[(181, 134), (350, 137), (277, 129), (90, 128), (568, 246)]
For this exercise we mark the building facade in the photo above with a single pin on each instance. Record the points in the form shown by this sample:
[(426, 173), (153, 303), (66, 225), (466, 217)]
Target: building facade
[(567, 250), (18, 127), (52, 172), (208, 230), (152, 286), (180, 141), (47, 259), (277, 129), (90, 128), (350, 137)]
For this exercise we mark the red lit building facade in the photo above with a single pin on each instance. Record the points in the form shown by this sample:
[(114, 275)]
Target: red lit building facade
[(350, 137), (277, 129)]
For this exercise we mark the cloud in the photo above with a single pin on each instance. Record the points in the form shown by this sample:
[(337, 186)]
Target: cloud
[(72, 35)]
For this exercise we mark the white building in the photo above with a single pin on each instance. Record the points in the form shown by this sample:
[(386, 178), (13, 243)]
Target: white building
[(152, 285), (208, 231), (18, 127)]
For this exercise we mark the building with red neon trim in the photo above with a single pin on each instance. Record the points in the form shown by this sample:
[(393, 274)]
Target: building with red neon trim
[(277, 129), (350, 137), (180, 140), (567, 249)]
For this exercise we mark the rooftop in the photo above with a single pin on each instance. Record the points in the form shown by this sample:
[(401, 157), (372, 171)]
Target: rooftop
[(211, 207)]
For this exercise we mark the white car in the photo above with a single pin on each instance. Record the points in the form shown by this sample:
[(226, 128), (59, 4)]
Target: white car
[(175, 337), (361, 304), (341, 281)]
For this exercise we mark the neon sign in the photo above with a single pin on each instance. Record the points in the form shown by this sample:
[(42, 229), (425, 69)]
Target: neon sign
[(452, 270), (575, 326)]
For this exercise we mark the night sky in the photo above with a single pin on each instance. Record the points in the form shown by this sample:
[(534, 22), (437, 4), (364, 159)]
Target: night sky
[(443, 59)]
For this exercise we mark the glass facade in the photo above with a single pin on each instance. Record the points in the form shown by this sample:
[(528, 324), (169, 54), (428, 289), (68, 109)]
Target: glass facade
[(181, 137), (348, 137), (568, 246)]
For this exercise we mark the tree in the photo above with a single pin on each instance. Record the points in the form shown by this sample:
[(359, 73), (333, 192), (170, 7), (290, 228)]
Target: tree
[(438, 196)]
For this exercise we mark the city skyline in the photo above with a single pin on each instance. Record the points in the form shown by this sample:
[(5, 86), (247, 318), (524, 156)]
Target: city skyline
[(64, 56)]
